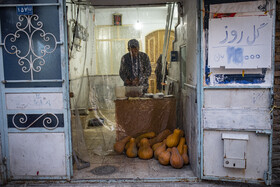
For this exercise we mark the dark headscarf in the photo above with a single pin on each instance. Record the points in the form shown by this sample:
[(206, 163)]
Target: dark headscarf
[(133, 43)]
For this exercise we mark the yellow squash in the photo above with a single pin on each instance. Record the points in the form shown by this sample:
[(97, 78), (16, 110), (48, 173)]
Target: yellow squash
[(164, 157), (145, 151), (176, 159), (131, 151), (119, 146), (173, 139), (180, 147), (160, 137)]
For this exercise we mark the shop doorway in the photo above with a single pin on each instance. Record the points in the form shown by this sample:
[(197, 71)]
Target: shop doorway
[(154, 47), (95, 50)]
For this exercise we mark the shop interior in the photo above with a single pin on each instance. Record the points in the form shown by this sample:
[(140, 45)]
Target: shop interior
[(101, 112)]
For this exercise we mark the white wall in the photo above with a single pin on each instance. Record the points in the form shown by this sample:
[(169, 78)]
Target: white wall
[(152, 18)]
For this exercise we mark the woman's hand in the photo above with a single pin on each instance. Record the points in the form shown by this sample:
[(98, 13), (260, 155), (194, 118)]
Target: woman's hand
[(128, 82), (135, 82)]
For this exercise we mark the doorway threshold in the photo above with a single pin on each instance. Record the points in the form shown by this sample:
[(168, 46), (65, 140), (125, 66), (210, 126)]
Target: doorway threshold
[(124, 169)]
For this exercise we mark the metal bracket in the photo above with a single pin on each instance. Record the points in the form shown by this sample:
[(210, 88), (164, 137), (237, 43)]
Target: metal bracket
[(60, 43), (4, 81)]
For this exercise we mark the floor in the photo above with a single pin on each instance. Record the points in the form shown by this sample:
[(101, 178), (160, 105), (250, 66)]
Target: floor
[(138, 184), (99, 141), (133, 168)]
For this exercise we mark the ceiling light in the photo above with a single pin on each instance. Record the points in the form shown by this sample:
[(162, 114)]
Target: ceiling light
[(138, 25)]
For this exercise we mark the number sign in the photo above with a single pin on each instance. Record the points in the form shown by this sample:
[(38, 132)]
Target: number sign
[(24, 10)]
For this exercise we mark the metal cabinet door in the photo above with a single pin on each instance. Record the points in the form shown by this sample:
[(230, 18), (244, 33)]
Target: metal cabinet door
[(35, 120), (236, 135)]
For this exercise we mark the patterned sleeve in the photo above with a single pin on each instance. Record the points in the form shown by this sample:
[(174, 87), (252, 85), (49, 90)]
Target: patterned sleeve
[(147, 68), (123, 70)]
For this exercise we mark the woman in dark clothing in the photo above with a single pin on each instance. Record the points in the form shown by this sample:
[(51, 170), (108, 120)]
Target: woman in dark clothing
[(135, 67)]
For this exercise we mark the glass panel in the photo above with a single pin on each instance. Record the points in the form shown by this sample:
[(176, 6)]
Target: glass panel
[(39, 61)]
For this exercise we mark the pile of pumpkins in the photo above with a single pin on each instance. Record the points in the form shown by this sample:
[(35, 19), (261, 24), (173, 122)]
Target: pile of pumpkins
[(166, 147)]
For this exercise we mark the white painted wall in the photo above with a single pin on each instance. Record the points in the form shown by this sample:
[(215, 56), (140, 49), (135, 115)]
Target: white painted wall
[(151, 18)]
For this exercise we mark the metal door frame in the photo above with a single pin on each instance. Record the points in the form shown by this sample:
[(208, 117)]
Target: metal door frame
[(64, 89), (201, 88)]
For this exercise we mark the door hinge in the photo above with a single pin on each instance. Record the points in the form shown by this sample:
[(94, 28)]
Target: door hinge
[(267, 177)]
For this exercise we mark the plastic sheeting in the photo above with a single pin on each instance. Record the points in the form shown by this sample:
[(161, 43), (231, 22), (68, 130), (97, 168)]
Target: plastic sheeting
[(99, 118), (141, 115)]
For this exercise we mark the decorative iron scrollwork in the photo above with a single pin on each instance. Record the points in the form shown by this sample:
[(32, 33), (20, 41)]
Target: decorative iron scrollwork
[(30, 61), (47, 121)]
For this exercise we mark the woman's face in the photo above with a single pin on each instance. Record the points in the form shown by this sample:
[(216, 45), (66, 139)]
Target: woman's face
[(134, 51)]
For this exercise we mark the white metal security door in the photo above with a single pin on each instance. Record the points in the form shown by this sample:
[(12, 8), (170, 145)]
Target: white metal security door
[(237, 92), (35, 124)]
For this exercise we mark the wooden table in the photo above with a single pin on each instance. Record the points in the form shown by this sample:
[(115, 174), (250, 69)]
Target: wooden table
[(137, 116)]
